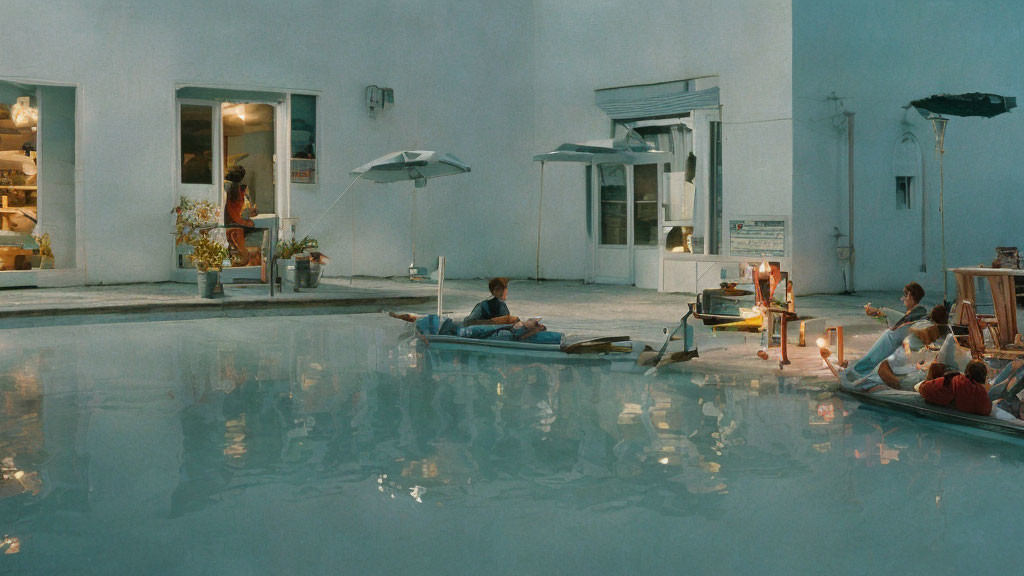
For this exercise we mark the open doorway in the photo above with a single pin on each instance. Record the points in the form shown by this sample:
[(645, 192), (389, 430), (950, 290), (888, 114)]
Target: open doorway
[(228, 148), (247, 154)]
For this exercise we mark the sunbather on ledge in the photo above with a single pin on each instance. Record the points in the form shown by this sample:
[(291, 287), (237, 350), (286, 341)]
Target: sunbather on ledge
[(489, 319), (892, 338), (907, 365)]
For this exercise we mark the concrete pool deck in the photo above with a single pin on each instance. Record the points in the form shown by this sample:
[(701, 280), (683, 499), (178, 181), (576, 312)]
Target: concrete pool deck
[(567, 306)]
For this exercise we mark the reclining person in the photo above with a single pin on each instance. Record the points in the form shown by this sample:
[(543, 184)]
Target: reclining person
[(965, 392), (489, 319), (907, 365), (892, 338), (492, 311), (1007, 391)]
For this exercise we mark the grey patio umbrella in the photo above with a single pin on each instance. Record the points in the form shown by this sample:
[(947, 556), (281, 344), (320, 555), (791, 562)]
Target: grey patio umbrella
[(977, 104), (415, 165)]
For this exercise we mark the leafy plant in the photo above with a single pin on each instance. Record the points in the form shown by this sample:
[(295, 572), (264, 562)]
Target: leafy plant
[(208, 254), (290, 248), (193, 220), (45, 248)]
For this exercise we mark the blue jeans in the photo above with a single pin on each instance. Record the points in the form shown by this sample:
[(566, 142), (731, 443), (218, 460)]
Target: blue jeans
[(886, 344), (1001, 380)]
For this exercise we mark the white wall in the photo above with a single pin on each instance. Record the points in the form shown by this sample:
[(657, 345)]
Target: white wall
[(584, 45), (879, 56), (462, 79), (492, 82)]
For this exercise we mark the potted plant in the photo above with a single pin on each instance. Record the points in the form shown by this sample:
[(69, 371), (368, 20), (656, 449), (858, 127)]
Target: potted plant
[(45, 250), (208, 255), (192, 219), (287, 250)]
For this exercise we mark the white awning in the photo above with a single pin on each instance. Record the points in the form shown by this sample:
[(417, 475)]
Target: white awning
[(600, 152), (653, 100)]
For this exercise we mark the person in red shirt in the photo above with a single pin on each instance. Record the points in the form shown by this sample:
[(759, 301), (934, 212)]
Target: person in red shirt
[(962, 392)]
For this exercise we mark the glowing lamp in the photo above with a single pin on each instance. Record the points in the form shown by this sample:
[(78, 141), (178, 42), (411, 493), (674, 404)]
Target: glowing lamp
[(823, 348)]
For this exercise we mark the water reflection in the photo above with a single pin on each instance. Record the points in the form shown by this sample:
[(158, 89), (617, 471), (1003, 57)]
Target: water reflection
[(206, 412)]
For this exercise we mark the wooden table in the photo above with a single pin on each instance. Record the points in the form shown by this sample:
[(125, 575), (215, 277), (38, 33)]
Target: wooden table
[(5, 211), (5, 217), (1004, 300)]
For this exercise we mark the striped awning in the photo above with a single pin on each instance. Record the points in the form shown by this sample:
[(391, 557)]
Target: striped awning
[(653, 100)]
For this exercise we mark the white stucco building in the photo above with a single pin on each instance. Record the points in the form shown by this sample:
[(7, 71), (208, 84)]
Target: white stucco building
[(124, 90)]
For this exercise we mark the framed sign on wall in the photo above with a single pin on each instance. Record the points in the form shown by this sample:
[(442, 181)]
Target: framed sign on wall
[(758, 236)]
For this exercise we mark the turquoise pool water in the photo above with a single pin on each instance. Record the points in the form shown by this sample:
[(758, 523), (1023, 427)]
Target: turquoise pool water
[(332, 445)]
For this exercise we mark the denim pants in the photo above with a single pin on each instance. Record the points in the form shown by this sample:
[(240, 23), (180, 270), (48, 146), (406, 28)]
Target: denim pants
[(1001, 380), (886, 344)]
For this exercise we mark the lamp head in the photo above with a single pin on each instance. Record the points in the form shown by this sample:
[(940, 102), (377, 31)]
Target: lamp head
[(823, 347), (939, 127)]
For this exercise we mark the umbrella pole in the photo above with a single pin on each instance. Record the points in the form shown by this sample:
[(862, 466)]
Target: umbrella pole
[(412, 232), (540, 208), (942, 230)]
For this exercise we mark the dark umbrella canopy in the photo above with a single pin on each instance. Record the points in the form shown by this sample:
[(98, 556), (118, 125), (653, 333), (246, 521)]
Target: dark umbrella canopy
[(978, 104), (971, 104)]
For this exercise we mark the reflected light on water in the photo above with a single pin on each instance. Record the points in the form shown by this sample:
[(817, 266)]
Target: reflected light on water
[(10, 545), (322, 420)]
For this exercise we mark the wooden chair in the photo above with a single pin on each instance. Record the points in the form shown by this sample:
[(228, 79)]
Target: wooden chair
[(974, 340)]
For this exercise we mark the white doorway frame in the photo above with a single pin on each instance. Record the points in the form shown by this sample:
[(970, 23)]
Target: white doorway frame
[(214, 191)]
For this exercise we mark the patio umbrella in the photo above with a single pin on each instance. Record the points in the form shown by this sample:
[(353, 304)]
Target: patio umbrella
[(978, 104), (590, 152), (415, 165), (971, 104)]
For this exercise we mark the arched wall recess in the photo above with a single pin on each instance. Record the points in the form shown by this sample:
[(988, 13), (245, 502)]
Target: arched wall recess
[(908, 182)]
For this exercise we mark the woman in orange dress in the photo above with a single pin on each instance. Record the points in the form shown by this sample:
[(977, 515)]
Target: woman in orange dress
[(240, 255)]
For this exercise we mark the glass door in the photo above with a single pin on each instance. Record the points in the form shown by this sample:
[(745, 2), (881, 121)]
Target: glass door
[(198, 173), (613, 254), (645, 179), (198, 148)]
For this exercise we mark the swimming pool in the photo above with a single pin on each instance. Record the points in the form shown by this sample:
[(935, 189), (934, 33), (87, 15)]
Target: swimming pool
[(333, 445)]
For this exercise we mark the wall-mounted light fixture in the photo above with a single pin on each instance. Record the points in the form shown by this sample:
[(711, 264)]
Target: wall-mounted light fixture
[(377, 98)]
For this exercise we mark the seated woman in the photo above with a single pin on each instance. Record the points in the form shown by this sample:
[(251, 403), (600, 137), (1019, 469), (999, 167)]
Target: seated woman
[(240, 255)]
